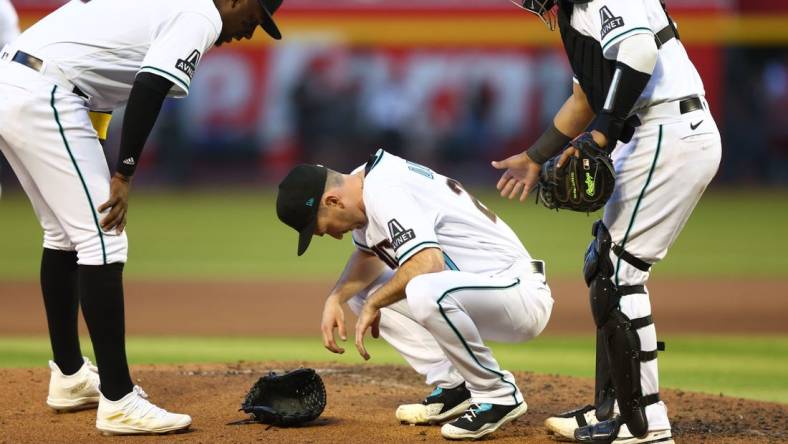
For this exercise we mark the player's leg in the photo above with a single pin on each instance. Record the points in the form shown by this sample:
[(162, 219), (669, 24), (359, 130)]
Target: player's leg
[(461, 310), (73, 379), (662, 178), (66, 162), (397, 326)]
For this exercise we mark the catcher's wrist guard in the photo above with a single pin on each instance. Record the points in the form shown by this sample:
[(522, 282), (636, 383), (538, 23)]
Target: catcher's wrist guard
[(583, 183), (285, 400)]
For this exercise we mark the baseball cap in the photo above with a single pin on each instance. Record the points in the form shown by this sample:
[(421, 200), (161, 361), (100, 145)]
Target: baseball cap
[(299, 199), (269, 7)]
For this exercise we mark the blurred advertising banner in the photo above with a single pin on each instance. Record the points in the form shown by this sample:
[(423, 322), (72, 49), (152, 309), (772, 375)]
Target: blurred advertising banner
[(436, 80)]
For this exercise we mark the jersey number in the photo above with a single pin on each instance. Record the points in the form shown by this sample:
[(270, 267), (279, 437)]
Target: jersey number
[(380, 250), (458, 189)]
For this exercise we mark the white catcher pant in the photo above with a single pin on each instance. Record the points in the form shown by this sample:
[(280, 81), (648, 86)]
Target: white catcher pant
[(441, 327), (661, 174), (49, 141)]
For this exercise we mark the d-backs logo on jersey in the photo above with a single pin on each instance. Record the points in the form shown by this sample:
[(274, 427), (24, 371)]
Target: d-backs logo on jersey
[(190, 64), (399, 235), (609, 21)]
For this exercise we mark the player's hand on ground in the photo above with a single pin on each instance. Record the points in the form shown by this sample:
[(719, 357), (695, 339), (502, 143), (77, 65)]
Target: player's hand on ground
[(333, 318), (521, 174), (369, 318), (118, 204)]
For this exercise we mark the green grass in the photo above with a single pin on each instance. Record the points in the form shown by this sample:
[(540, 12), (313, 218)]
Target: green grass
[(236, 235), (750, 367)]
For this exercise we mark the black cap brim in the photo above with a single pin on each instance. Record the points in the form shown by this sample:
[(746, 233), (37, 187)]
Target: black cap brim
[(268, 23), (305, 236)]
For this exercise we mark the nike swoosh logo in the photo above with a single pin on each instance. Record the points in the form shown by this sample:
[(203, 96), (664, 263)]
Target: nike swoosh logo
[(693, 126)]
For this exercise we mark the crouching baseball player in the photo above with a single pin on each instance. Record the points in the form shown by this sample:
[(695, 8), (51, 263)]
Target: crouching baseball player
[(95, 55), (435, 273)]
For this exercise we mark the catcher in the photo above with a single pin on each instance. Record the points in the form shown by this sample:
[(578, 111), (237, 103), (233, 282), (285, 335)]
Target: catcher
[(637, 96), (435, 273)]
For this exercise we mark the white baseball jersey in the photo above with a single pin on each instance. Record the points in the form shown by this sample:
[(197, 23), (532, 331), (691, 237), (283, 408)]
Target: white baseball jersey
[(410, 207), (489, 290), (611, 21), (101, 45), (9, 22)]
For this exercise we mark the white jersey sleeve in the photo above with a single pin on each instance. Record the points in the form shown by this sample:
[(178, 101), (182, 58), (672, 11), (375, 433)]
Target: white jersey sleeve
[(9, 23), (178, 45), (616, 20), (409, 227)]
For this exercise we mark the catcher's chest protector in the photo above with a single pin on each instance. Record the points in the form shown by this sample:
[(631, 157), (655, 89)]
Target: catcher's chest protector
[(592, 70)]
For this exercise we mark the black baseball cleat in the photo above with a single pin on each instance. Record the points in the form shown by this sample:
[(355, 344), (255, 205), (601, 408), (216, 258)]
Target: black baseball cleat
[(611, 431), (482, 419), (441, 405)]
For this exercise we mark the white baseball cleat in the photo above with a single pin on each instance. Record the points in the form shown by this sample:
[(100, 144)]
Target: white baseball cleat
[(441, 405), (134, 414), (658, 436), (563, 425), (73, 392)]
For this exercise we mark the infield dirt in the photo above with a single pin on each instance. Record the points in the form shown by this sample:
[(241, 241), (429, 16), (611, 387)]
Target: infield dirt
[(361, 404), (362, 399)]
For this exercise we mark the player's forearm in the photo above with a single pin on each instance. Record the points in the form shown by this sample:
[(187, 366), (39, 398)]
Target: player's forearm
[(429, 260), (575, 115), (361, 270), (145, 100)]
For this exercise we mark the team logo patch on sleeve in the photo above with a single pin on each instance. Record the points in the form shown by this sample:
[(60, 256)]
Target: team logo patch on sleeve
[(399, 235), (609, 21), (190, 64)]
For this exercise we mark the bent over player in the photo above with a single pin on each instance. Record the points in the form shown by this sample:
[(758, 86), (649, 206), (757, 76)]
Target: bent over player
[(639, 96), (435, 273), (95, 55)]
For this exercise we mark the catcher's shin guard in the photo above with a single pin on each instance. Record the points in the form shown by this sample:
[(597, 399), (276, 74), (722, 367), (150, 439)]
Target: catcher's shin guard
[(604, 394), (617, 337)]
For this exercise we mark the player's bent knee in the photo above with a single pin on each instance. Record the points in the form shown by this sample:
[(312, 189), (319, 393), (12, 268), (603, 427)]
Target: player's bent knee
[(108, 249), (422, 296)]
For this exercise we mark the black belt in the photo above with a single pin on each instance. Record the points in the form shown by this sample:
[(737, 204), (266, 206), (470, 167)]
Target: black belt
[(36, 64), (690, 105)]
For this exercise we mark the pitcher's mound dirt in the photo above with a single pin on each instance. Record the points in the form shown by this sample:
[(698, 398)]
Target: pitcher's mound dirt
[(361, 404)]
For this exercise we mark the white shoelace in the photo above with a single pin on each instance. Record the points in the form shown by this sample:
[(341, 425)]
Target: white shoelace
[(140, 403), (471, 412)]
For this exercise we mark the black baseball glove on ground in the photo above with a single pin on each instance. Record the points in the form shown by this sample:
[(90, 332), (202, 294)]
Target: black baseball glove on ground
[(289, 399), (583, 183)]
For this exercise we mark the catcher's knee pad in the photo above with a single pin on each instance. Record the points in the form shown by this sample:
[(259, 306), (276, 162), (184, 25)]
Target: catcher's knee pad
[(598, 271)]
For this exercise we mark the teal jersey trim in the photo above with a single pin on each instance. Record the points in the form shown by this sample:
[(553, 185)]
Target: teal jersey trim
[(169, 76), (405, 256), (81, 178), (640, 199), (450, 263), (619, 36), (462, 340)]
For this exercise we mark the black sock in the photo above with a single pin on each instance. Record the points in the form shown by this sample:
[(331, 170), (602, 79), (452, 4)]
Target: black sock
[(101, 295), (61, 302)]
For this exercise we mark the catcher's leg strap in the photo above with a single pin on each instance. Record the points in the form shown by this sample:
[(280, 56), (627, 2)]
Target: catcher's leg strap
[(631, 259)]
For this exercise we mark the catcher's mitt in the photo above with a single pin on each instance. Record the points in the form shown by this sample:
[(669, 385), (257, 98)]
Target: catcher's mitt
[(289, 399), (583, 183)]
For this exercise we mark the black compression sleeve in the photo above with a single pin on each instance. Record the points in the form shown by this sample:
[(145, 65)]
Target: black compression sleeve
[(548, 145), (625, 88), (145, 100)]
